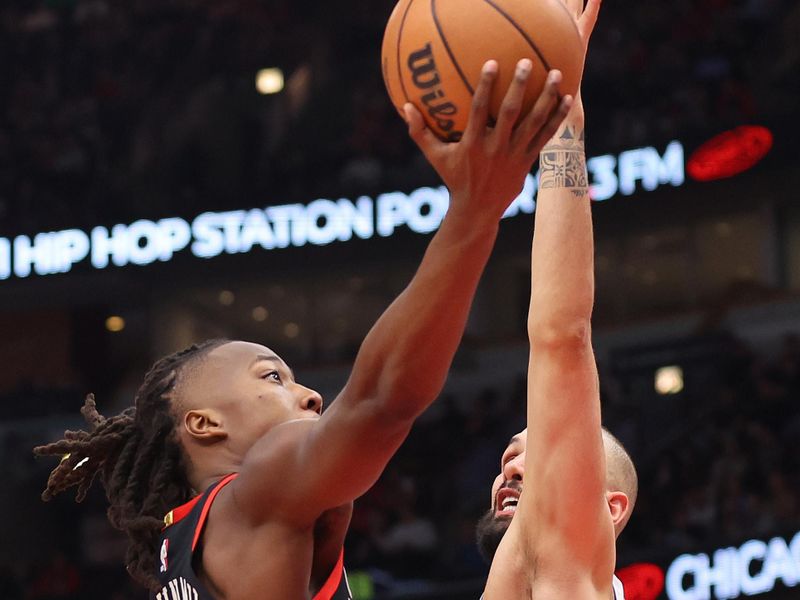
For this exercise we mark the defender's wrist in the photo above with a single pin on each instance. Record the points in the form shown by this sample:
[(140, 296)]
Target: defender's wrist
[(570, 133)]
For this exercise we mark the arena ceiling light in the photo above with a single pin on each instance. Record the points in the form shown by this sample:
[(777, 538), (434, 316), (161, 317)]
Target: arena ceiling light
[(260, 314), (226, 297), (115, 324), (269, 81), (669, 380)]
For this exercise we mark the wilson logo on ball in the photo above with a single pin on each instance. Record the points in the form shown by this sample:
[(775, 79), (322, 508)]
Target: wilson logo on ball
[(433, 52), (426, 77)]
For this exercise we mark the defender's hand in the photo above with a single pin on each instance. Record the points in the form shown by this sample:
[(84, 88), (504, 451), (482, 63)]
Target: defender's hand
[(585, 17), (486, 170)]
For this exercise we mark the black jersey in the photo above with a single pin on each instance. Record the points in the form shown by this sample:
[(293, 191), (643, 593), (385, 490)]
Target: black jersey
[(183, 528)]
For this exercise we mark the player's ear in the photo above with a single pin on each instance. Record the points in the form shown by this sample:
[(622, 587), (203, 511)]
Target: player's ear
[(204, 425), (618, 505)]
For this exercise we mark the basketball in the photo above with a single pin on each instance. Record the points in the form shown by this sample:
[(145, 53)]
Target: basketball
[(433, 52)]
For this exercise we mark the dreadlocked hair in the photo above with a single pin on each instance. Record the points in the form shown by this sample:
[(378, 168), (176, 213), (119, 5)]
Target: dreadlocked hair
[(138, 457)]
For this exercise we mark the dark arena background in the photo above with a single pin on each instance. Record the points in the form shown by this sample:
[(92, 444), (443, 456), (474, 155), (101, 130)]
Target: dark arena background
[(172, 170)]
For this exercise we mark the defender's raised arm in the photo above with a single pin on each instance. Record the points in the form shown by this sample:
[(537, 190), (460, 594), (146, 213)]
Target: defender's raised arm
[(561, 541)]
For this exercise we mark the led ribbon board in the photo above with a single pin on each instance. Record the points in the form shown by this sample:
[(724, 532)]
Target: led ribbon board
[(753, 568), (318, 223)]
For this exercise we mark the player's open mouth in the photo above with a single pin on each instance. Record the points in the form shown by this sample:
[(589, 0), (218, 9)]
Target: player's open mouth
[(506, 502)]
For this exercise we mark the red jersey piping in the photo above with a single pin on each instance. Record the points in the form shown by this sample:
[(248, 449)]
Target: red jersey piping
[(176, 514), (329, 589), (179, 513), (325, 593), (207, 507)]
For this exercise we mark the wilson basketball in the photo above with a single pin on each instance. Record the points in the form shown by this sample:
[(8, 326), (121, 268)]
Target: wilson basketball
[(433, 52)]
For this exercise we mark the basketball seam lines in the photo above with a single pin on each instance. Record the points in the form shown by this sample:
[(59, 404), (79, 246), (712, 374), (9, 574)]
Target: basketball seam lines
[(399, 62), (447, 47), (522, 32)]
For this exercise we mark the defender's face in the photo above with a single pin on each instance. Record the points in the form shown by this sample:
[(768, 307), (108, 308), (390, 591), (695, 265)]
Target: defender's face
[(251, 389), (506, 490), (507, 485)]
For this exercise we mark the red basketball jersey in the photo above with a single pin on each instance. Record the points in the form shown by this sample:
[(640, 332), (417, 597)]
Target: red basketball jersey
[(179, 539)]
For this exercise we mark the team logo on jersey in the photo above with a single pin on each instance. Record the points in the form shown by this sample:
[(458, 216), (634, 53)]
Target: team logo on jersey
[(163, 554)]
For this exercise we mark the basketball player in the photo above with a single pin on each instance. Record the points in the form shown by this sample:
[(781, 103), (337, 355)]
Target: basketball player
[(621, 488), (555, 539), (260, 480)]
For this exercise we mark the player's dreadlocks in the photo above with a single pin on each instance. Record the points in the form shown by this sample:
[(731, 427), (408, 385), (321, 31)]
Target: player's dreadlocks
[(138, 457)]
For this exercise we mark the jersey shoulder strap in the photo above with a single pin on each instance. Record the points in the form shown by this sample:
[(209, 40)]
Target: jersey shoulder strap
[(336, 587), (619, 591), (202, 502), (183, 527)]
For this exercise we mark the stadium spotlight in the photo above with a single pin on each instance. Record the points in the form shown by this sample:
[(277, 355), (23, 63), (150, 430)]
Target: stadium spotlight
[(669, 380), (269, 81), (260, 314), (226, 297), (115, 324)]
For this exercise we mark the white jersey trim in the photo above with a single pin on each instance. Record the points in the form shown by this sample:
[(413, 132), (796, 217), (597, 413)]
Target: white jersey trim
[(619, 591)]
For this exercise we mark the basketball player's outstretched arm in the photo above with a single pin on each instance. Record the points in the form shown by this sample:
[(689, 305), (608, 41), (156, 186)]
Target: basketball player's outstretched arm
[(561, 525), (403, 362), (565, 459)]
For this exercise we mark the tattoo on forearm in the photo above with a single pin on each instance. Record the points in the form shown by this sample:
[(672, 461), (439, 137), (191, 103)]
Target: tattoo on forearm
[(562, 163)]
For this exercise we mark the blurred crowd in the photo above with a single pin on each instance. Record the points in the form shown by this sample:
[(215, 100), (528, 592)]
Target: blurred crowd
[(734, 473), (724, 471), (115, 110), (112, 111)]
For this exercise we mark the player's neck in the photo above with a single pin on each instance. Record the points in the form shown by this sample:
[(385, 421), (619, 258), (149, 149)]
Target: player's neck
[(201, 477)]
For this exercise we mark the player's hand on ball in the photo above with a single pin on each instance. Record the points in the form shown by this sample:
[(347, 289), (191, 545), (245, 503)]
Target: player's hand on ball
[(486, 169)]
